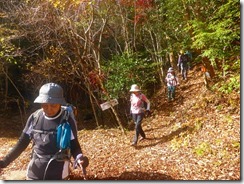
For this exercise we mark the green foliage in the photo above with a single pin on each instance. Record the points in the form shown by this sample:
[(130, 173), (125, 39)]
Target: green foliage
[(170, 22), (236, 144), (202, 149), (198, 124), (176, 144), (98, 29), (219, 107), (227, 87), (7, 52), (127, 69), (215, 36)]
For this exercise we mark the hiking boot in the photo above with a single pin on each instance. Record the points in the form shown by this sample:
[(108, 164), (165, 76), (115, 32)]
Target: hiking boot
[(133, 144), (142, 138)]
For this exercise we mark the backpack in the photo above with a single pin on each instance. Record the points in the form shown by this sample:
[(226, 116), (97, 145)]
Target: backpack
[(170, 80), (143, 104), (63, 131), (184, 59), (72, 109)]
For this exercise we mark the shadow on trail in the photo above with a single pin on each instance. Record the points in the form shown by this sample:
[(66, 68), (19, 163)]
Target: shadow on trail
[(166, 138), (158, 128), (133, 176)]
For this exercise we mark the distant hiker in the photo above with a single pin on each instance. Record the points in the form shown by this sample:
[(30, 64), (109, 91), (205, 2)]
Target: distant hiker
[(138, 111), (206, 76), (183, 62), (172, 81), (189, 55), (53, 131)]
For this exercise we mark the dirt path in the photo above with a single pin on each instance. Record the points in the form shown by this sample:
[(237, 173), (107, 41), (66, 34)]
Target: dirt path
[(196, 137)]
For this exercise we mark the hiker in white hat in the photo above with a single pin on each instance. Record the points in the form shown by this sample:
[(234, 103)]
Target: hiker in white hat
[(52, 148), (140, 106), (172, 81)]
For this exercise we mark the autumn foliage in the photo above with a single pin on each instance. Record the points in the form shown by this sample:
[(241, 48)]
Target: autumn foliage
[(196, 137)]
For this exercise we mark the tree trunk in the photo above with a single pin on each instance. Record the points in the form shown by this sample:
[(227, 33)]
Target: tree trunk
[(172, 60)]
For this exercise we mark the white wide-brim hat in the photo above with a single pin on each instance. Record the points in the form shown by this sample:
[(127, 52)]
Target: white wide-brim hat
[(51, 93), (134, 88), (170, 69)]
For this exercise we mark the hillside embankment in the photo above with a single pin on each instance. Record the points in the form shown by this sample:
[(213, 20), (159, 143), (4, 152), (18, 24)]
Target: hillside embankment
[(195, 137)]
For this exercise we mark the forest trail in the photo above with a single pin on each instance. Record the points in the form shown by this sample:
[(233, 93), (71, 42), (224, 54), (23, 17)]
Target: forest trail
[(195, 137)]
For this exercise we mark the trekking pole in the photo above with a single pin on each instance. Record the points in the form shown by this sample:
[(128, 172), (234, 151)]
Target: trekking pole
[(83, 165), (83, 171)]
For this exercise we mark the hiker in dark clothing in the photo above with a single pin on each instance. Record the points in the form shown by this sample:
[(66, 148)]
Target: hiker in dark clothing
[(189, 55), (138, 111), (48, 161), (183, 62)]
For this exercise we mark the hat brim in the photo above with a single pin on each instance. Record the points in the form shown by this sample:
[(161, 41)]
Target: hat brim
[(135, 90), (46, 99)]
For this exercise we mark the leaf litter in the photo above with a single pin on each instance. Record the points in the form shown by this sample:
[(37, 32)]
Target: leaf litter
[(196, 137)]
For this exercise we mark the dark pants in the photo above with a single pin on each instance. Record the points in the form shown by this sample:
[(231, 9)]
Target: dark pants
[(171, 92), (137, 118), (184, 70)]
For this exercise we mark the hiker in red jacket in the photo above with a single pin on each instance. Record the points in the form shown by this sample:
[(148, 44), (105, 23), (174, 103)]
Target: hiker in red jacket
[(49, 161)]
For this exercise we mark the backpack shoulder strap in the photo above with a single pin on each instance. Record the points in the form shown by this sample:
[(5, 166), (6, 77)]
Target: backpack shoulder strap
[(175, 79), (144, 103), (66, 114), (36, 116), (64, 131), (141, 97)]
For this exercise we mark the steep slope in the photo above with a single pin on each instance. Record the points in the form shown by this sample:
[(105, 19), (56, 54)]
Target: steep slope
[(196, 137)]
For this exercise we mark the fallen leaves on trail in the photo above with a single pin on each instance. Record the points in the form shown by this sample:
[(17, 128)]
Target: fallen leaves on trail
[(196, 137)]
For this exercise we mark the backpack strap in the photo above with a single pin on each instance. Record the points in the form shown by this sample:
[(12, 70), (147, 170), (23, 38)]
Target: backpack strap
[(60, 129), (66, 114), (63, 131), (175, 79), (144, 103), (36, 116)]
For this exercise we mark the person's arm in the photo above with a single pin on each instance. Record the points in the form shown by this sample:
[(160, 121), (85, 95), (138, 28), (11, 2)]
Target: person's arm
[(21, 145), (176, 80), (147, 101), (167, 78), (80, 160), (179, 59), (75, 148)]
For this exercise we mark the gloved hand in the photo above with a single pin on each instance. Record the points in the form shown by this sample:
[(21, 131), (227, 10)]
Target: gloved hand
[(147, 113), (83, 162)]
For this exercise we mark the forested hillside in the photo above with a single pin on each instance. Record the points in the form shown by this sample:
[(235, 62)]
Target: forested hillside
[(196, 137), (97, 49)]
